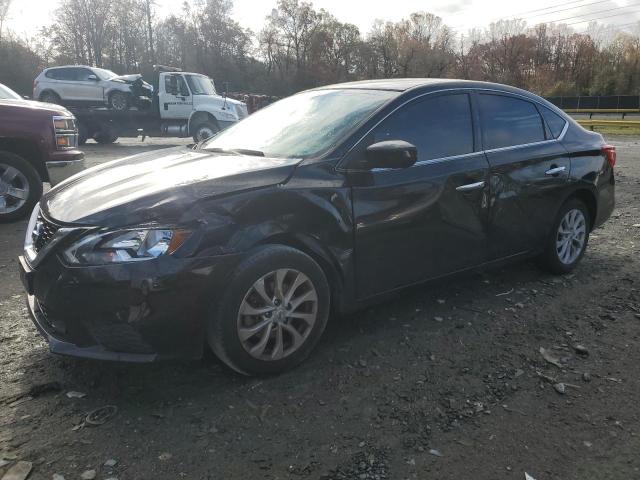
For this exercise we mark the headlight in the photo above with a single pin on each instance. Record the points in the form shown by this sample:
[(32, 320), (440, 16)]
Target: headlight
[(125, 246), (66, 132)]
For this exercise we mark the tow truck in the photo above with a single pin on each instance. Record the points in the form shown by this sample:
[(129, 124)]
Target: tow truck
[(183, 104)]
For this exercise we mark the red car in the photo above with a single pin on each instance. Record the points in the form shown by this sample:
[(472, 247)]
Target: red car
[(38, 143)]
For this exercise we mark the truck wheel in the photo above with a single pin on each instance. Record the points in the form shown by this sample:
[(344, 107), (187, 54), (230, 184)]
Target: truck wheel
[(105, 138), (82, 134), (20, 187), (204, 131), (49, 97), (119, 101)]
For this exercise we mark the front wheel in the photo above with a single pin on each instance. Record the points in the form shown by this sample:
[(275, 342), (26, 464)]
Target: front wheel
[(119, 101), (204, 131), (20, 187), (272, 313), (568, 239)]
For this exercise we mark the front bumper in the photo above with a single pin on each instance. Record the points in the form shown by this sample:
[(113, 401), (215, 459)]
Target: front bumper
[(64, 164), (134, 312), (63, 346)]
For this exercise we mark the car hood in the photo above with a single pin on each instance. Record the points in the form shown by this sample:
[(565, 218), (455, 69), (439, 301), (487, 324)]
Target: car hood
[(126, 78), (35, 107), (158, 187)]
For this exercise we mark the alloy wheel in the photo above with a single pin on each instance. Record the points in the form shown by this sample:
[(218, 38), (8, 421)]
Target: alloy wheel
[(571, 236), (277, 314), (119, 101), (14, 189)]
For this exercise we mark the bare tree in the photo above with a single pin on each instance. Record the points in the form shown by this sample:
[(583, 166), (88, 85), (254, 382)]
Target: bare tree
[(4, 13)]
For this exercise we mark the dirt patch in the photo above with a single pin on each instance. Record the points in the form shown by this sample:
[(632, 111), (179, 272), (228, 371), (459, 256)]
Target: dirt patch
[(445, 381)]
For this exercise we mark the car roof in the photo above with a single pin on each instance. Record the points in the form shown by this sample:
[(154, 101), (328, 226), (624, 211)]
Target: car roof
[(67, 66), (406, 84), (403, 85)]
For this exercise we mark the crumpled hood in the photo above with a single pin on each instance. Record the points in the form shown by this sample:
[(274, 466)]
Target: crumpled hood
[(161, 186), (127, 78)]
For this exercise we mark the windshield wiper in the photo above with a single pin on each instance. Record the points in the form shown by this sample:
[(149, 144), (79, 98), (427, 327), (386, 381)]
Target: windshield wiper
[(241, 151)]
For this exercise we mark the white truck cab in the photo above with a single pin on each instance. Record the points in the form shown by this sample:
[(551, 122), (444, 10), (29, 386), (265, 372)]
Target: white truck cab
[(189, 105)]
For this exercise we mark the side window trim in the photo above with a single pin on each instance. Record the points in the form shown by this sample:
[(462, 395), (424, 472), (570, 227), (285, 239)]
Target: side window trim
[(473, 92), (546, 123)]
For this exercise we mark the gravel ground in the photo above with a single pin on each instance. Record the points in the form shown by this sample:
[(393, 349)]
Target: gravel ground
[(446, 381)]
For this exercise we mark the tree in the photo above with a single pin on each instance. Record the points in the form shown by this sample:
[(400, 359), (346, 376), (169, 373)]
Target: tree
[(4, 12)]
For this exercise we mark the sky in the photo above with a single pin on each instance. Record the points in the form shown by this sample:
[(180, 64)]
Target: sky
[(27, 16)]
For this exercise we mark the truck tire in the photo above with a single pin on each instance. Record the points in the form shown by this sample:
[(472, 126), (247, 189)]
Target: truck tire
[(20, 187), (204, 131), (106, 134), (49, 97), (119, 101), (105, 138), (83, 135)]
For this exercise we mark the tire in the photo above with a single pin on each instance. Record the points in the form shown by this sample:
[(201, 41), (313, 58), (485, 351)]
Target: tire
[(83, 135), (119, 101), (105, 135), (25, 178), (552, 257), (226, 318), (49, 97), (204, 131), (105, 138)]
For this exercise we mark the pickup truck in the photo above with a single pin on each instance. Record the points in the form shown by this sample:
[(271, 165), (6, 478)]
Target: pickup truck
[(38, 143), (183, 104)]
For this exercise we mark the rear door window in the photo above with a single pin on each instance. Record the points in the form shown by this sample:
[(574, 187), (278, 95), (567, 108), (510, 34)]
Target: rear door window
[(508, 121), (554, 121), (438, 126), (62, 74)]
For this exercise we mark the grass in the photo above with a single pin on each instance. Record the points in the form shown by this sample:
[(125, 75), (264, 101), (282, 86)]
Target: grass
[(611, 130)]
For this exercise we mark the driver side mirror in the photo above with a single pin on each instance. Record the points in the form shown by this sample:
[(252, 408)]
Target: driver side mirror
[(93, 78), (391, 154)]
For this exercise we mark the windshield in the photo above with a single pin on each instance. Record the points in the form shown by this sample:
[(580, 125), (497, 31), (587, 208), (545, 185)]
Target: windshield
[(303, 125), (104, 74), (7, 94), (200, 85)]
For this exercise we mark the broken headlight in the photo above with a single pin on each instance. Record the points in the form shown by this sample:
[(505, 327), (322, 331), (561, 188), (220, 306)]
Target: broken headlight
[(125, 246)]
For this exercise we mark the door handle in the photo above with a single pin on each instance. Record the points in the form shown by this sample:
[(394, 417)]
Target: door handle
[(469, 187), (555, 170)]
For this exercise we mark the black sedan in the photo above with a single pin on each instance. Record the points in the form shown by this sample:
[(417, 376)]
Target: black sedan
[(323, 202)]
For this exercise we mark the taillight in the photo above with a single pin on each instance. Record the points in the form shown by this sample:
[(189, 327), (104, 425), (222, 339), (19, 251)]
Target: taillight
[(609, 151)]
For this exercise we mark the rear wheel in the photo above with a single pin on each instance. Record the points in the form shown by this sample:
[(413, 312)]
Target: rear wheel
[(568, 239), (204, 131), (49, 97), (105, 135), (20, 187), (272, 314), (82, 134), (119, 101)]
